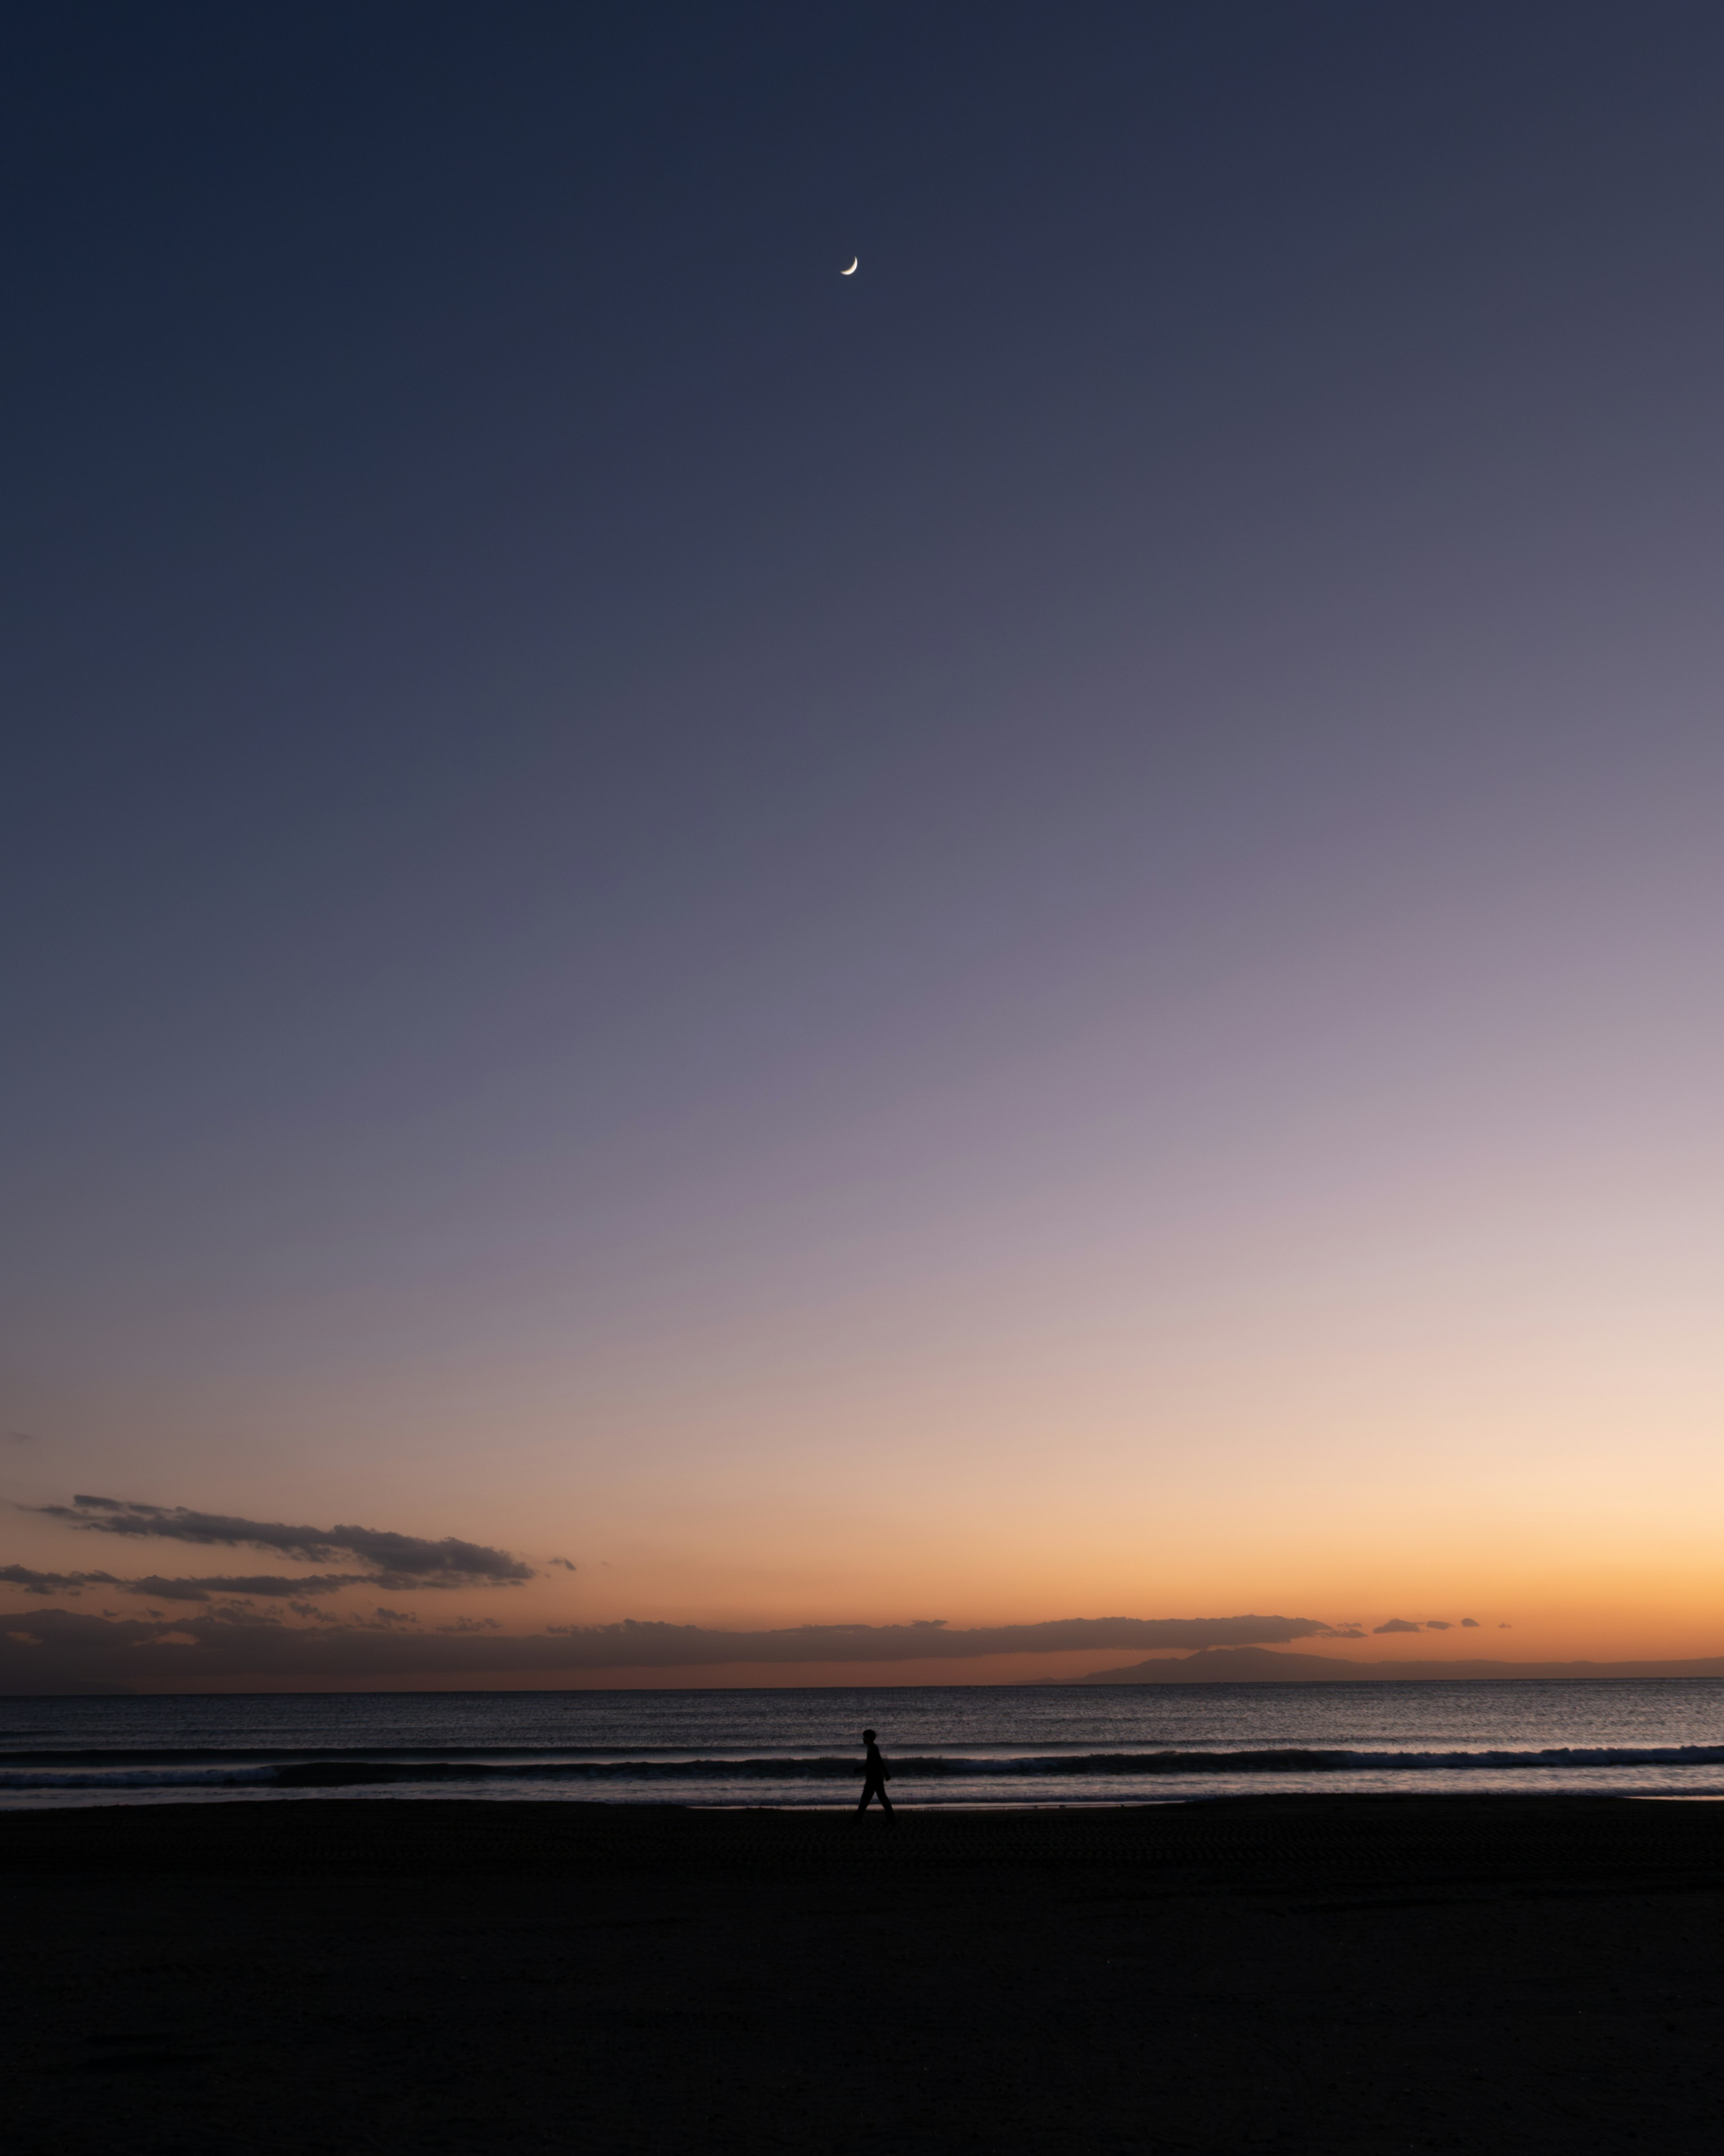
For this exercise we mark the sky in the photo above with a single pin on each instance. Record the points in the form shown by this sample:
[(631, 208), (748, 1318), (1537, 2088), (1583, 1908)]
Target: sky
[(1029, 937)]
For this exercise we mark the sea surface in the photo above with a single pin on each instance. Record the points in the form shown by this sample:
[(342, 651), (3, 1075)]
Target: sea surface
[(1029, 1744)]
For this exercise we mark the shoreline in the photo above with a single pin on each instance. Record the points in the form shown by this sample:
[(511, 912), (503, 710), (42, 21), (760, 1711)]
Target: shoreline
[(66, 1803), (561, 1827)]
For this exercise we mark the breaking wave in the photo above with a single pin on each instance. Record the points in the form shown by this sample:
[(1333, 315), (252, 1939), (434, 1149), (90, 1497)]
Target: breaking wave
[(92, 1772)]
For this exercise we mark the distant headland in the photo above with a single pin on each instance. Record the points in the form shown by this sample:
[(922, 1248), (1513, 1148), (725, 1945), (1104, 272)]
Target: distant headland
[(1270, 1666)]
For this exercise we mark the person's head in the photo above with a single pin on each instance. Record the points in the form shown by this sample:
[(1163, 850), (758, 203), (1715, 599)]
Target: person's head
[(868, 1737)]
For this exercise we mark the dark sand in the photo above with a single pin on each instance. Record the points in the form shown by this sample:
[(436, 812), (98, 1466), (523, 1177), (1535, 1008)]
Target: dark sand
[(1291, 1974)]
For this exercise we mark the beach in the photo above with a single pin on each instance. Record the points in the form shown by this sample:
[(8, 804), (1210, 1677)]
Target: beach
[(1286, 1972)]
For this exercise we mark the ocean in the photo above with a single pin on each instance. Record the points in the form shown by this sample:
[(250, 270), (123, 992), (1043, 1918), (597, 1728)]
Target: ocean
[(1030, 1744)]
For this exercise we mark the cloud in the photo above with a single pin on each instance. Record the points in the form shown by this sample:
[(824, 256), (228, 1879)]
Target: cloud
[(229, 1645), (1437, 1625), (1396, 1625), (19, 1437), (636, 1643), (1469, 1623), (53, 1583), (562, 1563), (281, 1583), (397, 1562)]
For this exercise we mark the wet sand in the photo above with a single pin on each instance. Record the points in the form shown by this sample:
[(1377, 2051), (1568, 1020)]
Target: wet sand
[(1343, 1974)]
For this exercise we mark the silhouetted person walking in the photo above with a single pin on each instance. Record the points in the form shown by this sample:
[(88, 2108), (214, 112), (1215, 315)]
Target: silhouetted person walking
[(875, 1775)]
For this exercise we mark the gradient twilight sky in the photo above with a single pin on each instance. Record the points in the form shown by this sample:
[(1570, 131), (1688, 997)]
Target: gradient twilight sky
[(1033, 935)]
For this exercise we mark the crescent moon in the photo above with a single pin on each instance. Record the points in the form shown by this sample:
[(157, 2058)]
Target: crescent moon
[(851, 271)]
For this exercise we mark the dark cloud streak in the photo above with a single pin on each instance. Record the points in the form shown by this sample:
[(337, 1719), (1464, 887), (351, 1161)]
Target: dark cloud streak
[(399, 1562), (277, 1583), (231, 1646), (53, 1583)]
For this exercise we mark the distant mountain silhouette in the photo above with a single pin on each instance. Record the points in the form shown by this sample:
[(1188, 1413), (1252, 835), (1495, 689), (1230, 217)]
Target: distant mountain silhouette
[(1269, 1666)]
